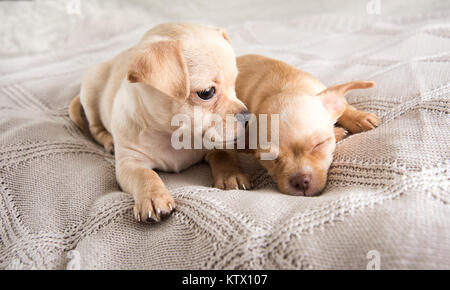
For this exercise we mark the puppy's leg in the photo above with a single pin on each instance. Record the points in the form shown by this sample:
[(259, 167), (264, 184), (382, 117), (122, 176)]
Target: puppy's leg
[(225, 170), (102, 136), (98, 131), (357, 121), (152, 200), (89, 97)]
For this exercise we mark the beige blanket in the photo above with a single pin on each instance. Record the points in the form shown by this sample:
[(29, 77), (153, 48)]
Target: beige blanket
[(385, 205)]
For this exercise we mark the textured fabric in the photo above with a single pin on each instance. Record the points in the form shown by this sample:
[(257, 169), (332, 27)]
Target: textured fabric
[(388, 189)]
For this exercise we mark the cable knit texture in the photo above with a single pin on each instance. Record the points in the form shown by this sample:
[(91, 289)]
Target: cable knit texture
[(388, 189)]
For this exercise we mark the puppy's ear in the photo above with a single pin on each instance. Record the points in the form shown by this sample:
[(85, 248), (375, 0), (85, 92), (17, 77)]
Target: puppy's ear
[(224, 34), (162, 66), (333, 97)]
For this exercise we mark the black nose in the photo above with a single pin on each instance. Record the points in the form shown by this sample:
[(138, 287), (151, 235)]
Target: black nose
[(300, 182), (243, 117)]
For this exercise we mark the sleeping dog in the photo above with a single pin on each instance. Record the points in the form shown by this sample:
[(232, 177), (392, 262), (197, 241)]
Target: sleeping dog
[(307, 112)]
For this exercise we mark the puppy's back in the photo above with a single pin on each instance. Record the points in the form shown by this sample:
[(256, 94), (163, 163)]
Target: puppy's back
[(261, 77)]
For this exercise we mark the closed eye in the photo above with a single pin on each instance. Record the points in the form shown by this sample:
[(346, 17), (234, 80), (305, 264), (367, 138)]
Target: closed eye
[(320, 144)]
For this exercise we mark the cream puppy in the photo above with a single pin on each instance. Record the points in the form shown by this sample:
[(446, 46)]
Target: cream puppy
[(307, 112), (130, 100)]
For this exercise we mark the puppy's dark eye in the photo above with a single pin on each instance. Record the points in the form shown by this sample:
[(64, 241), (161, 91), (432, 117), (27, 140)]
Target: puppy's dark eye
[(207, 94)]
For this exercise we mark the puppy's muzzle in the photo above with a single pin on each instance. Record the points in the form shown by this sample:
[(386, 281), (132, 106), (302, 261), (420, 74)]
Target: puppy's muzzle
[(300, 183)]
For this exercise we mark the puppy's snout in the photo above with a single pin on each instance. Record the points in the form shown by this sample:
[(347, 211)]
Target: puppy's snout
[(300, 182), (243, 117)]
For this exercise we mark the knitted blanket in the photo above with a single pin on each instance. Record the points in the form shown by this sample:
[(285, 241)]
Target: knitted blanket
[(386, 202)]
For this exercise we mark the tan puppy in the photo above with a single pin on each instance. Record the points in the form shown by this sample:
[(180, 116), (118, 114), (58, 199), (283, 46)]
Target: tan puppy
[(307, 114), (130, 101)]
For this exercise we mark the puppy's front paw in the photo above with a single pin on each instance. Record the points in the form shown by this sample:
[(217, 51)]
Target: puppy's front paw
[(235, 180), (340, 133), (154, 206), (362, 121)]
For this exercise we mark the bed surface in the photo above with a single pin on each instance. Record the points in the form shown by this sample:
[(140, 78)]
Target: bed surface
[(388, 189)]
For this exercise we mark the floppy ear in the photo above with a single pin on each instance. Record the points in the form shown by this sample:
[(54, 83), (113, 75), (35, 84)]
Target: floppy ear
[(333, 97), (162, 66)]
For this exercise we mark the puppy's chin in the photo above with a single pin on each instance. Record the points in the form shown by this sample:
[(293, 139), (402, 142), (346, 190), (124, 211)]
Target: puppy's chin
[(225, 144), (232, 141), (307, 193)]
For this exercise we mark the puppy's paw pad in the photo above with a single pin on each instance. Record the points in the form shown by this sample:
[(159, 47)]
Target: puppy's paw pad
[(155, 207), (233, 181)]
